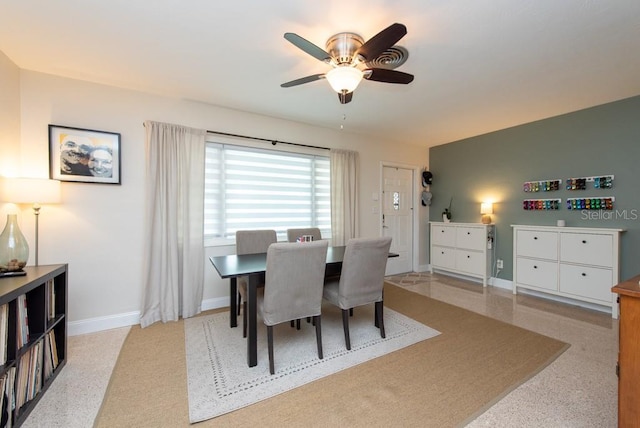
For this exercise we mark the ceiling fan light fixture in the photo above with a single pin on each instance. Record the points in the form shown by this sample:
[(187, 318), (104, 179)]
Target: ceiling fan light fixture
[(344, 78)]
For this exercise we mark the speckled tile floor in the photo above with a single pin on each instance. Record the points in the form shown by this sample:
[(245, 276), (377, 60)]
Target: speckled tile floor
[(579, 389)]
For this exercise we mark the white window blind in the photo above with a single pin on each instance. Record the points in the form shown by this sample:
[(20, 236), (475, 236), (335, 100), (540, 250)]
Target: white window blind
[(249, 188)]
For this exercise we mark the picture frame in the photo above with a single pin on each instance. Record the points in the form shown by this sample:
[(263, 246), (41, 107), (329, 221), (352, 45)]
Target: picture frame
[(84, 155)]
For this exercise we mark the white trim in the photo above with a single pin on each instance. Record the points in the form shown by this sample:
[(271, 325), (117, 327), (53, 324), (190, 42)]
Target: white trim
[(501, 283), (415, 171), (93, 325)]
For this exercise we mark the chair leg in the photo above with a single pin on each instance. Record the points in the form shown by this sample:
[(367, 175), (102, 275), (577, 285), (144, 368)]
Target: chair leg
[(316, 321), (298, 324), (345, 325), (239, 302), (244, 319), (380, 318), (350, 312), (270, 346)]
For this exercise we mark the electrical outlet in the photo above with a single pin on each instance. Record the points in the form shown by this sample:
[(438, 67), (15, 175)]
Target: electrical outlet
[(500, 264)]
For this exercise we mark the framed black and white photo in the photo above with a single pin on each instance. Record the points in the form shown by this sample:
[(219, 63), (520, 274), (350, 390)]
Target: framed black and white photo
[(84, 155)]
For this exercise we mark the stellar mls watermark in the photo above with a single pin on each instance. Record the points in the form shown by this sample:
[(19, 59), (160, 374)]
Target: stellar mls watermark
[(609, 215)]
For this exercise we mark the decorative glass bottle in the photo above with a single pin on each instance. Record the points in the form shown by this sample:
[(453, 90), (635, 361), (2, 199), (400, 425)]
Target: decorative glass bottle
[(14, 250)]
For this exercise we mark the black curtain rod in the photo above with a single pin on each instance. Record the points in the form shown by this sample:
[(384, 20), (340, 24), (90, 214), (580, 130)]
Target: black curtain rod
[(274, 142)]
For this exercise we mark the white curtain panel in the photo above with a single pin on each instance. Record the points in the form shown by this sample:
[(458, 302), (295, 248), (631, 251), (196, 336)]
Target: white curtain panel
[(344, 196), (174, 247)]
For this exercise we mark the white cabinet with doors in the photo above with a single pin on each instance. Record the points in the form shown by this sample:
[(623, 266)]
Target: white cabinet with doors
[(462, 248), (571, 262)]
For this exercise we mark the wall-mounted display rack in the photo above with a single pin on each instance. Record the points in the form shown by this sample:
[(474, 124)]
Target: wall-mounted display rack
[(541, 204), (599, 182), (542, 185), (593, 203)]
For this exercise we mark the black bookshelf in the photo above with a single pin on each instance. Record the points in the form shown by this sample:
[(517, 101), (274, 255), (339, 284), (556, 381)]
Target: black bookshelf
[(34, 365)]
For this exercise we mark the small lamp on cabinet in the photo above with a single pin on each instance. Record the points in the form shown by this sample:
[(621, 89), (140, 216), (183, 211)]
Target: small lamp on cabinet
[(34, 191), (486, 208)]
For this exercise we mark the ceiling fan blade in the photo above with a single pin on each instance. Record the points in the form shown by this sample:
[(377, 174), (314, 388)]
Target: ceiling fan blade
[(345, 97), (308, 47), (302, 80), (381, 41), (388, 76)]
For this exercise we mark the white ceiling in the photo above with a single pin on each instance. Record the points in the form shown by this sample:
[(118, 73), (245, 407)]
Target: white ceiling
[(479, 65)]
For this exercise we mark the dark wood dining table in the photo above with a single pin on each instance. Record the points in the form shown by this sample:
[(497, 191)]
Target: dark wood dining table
[(253, 266)]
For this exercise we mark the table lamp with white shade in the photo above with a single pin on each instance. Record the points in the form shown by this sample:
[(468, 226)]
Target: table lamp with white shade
[(34, 191), (486, 208)]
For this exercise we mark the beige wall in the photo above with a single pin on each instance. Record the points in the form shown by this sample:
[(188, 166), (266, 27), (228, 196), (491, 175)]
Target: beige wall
[(9, 115), (98, 229)]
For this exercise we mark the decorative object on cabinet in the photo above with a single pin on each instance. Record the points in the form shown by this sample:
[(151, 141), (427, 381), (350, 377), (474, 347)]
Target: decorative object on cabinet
[(34, 191), (486, 208), (598, 203), (628, 369), (542, 185), (541, 204), (33, 310), (462, 248), (14, 249), (446, 214), (571, 262), (84, 155)]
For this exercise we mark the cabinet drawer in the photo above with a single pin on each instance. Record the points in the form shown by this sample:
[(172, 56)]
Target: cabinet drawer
[(471, 262), (540, 244), (471, 238), (582, 281), (588, 249), (537, 273), (443, 235), (443, 257)]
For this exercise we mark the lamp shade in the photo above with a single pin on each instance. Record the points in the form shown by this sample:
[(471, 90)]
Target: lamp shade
[(344, 78), (30, 191), (486, 208)]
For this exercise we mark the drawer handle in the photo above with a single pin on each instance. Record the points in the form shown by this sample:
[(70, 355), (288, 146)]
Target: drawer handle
[(535, 237), (535, 267), (584, 241), (584, 274), (441, 252), (468, 257), (468, 233)]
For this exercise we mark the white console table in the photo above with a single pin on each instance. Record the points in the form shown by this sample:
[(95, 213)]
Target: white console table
[(462, 248), (572, 262)]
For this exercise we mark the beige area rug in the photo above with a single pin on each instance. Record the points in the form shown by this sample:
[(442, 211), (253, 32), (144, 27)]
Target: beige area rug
[(445, 381), (219, 380)]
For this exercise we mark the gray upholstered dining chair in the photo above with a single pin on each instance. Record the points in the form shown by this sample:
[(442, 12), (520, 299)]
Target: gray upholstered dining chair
[(293, 287), (361, 280), (294, 234), (251, 242)]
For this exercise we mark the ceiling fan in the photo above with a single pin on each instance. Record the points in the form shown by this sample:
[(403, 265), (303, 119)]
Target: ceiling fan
[(353, 59)]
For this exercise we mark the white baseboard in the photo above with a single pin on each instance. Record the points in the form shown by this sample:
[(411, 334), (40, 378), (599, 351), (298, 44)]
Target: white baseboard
[(501, 283), (94, 325)]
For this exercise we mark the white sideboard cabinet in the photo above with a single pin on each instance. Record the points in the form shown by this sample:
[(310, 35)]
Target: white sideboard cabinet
[(462, 248), (572, 262)]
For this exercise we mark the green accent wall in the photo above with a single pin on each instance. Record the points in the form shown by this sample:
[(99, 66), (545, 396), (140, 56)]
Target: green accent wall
[(603, 140)]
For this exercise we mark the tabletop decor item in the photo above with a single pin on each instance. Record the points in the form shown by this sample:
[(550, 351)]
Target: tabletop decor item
[(14, 250), (446, 214)]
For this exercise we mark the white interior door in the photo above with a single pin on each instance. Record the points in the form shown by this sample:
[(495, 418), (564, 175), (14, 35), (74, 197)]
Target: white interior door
[(397, 217)]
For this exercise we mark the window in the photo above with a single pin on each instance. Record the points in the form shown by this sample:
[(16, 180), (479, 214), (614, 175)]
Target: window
[(250, 188)]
